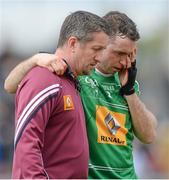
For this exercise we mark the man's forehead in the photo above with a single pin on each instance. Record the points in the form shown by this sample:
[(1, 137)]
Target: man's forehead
[(100, 37), (97, 44), (122, 43)]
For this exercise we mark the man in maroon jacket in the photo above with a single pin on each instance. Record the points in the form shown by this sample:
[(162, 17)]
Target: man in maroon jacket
[(50, 136)]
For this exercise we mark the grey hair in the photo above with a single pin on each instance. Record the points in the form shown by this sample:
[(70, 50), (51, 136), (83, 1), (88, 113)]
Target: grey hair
[(82, 24)]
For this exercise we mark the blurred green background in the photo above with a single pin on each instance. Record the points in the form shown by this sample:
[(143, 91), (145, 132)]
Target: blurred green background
[(27, 27)]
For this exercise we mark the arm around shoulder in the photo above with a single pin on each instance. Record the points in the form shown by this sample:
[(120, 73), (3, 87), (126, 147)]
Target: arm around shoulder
[(17, 74)]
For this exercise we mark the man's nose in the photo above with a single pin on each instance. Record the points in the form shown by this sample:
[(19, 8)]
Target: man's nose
[(98, 57), (97, 60)]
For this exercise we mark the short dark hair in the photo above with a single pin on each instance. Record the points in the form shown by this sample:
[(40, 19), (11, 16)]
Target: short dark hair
[(122, 25), (81, 24)]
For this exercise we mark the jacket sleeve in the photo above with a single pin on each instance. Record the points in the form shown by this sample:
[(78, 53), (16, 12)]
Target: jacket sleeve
[(35, 100)]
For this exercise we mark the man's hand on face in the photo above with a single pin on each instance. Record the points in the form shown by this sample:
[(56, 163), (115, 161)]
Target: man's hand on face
[(123, 74), (52, 62), (127, 79)]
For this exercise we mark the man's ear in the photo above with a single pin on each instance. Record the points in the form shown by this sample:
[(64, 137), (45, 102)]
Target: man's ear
[(135, 51), (134, 54), (72, 43)]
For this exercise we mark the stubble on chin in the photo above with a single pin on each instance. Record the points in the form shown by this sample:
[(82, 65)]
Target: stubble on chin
[(86, 72)]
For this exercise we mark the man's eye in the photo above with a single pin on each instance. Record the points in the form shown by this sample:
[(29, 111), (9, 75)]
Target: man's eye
[(122, 54), (97, 49)]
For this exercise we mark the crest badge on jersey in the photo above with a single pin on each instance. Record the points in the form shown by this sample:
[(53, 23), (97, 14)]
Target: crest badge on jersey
[(111, 126), (68, 103)]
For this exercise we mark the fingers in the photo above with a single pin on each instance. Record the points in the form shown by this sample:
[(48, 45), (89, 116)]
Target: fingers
[(45, 59), (123, 76), (50, 68), (133, 64), (52, 62), (128, 62), (132, 55), (56, 67), (59, 67)]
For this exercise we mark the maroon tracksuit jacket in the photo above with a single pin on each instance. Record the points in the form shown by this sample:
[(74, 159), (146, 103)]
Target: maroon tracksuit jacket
[(50, 135)]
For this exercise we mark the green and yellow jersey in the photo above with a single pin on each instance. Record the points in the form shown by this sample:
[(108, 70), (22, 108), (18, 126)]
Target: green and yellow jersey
[(109, 127)]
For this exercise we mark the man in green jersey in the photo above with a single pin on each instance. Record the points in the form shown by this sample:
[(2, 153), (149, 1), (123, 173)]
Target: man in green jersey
[(114, 112)]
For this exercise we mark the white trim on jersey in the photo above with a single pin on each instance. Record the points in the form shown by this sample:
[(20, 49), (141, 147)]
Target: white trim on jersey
[(32, 105), (106, 168)]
